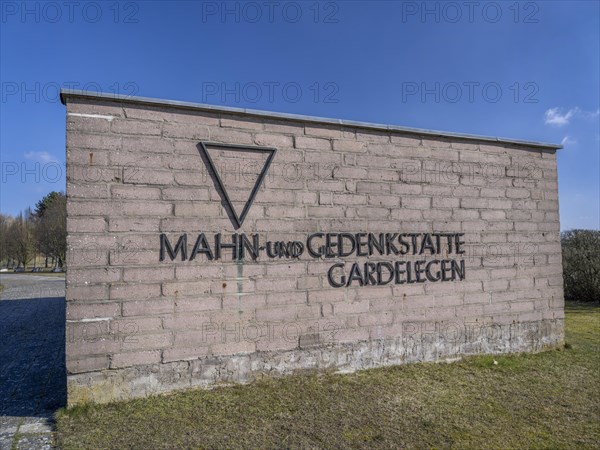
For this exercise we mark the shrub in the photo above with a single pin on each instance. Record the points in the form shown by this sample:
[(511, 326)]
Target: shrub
[(581, 264)]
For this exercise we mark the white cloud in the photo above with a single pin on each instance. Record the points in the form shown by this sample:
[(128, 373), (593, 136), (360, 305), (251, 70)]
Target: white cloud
[(557, 116), (43, 157), (554, 116), (568, 141), (591, 114)]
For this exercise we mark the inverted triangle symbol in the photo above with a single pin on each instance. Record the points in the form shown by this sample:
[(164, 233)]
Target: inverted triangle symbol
[(237, 219)]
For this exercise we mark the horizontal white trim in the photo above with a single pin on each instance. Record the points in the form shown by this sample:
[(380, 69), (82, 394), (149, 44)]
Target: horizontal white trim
[(92, 116)]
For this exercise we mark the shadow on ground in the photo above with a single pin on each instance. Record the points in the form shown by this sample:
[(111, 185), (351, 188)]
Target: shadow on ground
[(33, 380)]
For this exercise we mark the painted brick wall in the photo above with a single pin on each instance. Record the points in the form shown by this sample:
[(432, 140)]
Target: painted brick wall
[(137, 326)]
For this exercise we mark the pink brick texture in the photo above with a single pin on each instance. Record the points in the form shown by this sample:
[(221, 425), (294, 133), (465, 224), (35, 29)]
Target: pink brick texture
[(137, 325)]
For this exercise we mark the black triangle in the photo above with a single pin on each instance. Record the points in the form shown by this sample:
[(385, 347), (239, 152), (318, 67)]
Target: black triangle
[(236, 219)]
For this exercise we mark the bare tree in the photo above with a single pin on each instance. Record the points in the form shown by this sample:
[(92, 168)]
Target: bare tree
[(20, 237), (51, 226), (45, 231), (5, 253)]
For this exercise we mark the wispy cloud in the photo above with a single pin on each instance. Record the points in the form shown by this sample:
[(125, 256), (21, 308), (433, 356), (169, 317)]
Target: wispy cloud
[(568, 141), (554, 116), (559, 117), (593, 114), (42, 157)]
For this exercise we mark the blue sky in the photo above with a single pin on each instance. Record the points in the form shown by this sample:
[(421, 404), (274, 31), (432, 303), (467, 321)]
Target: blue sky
[(526, 70)]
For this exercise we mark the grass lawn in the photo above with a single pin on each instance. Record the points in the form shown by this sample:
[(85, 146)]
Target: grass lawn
[(545, 400)]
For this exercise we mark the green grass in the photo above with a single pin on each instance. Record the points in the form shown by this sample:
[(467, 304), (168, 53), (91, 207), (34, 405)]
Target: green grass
[(544, 400)]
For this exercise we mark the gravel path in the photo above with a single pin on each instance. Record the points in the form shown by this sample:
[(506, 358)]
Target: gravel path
[(32, 359)]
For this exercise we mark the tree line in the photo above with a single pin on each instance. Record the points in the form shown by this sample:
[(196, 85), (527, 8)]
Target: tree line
[(581, 265), (41, 231)]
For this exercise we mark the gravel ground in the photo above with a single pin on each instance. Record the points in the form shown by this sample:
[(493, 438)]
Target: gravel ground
[(32, 359)]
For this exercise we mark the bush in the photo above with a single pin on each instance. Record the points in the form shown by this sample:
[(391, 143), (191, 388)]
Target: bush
[(581, 264)]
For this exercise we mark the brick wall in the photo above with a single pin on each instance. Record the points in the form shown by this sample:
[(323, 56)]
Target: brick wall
[(137, 325)]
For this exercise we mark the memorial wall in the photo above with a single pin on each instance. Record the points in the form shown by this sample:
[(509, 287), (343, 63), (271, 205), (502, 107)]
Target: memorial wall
[(214, 245)]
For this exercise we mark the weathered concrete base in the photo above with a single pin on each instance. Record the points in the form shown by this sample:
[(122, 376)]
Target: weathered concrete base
[(416, 345)]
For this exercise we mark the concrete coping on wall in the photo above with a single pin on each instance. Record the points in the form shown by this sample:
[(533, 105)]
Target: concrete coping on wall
[(75, 93)]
